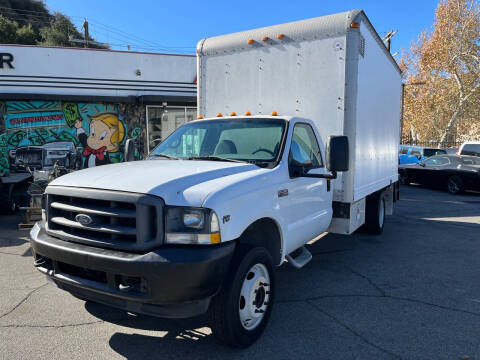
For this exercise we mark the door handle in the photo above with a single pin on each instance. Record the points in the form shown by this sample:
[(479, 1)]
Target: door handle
[(282, 193)]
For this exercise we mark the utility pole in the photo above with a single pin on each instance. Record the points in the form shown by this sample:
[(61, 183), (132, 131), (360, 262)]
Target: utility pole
[(85, 32)]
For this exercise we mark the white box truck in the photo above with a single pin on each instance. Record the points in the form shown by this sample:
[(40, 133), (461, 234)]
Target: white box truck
[(298, 135)]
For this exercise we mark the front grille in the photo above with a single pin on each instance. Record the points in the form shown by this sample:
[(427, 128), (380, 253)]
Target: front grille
[(122, 221)]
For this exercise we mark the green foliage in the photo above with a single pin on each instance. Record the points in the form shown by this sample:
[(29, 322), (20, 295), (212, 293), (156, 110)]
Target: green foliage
[(10, 33), (29, 22), (26, 35), (59, 32)]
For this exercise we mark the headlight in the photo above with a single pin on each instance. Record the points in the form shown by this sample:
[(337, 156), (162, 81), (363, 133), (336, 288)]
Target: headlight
[(44, 208), (185, 225)]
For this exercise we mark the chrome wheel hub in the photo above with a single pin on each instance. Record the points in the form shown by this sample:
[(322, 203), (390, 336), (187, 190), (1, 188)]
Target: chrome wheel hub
[(254, 296)]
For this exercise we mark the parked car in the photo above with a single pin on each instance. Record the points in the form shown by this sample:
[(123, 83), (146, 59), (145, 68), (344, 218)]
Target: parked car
[(471, 148), (409, 154), (454, 173)]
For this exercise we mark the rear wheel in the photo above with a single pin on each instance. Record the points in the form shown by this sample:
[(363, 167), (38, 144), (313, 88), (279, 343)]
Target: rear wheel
[(404, 179), (455, 185), (375, 214), (240, 312)]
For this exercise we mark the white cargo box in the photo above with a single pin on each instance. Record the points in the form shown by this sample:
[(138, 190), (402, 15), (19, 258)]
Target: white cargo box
[(334, 70)]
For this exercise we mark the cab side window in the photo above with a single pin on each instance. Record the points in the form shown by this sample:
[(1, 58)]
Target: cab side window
[(304, 149)]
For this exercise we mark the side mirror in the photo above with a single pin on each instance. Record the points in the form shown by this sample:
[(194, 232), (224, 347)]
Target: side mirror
[(337, 153), (419, 157), (129, 151)]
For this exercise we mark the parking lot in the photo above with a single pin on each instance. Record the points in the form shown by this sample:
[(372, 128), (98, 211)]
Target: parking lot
[(411, 293)]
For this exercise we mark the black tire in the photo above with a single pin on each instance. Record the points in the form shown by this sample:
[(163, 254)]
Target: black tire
[(455, 185), (8, 203), (224, 312), (375, 214), (404, 179)]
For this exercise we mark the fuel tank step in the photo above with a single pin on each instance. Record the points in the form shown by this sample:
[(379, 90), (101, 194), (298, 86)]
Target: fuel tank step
[(300, 257)]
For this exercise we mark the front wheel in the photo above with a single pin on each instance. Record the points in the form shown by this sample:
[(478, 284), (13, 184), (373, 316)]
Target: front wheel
[(240, 312)]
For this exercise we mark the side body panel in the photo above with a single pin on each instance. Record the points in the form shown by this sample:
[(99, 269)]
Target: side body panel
[(374, 128)]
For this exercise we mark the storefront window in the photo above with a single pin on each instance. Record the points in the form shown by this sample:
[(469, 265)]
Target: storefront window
[(162, 121)]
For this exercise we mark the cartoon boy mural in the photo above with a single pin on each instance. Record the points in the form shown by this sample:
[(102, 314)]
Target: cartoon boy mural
[(106, 134)]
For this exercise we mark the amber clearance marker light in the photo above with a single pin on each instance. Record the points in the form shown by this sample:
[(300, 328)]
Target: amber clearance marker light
[(219, 115), (265, 38), (280, 36), (274, 113), (248, 113), (215, 238), (250, 41), (233, 113), (200, 117), (355, 25)]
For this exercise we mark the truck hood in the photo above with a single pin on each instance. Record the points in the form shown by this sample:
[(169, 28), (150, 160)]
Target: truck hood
[(169, 179)]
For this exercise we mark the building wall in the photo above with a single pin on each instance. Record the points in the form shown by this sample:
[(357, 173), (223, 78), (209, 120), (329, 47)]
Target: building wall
[(36, 122)]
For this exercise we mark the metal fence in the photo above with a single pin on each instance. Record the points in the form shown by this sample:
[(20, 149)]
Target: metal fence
[(433, 144)]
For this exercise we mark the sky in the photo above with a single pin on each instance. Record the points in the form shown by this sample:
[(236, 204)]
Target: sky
[(177, 25)]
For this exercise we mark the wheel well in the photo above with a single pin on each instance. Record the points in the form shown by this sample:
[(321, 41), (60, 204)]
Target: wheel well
[(264, 232)]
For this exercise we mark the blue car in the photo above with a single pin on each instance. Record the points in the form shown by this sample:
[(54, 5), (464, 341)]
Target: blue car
[(409, 154)]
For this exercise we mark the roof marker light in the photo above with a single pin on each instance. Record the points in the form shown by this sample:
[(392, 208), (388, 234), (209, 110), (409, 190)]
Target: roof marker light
[(355, 25), (219, 115), (280, 36), (248, 113), (265, 38), (274, 113), (250, 41), (200, 117), (233, 113)]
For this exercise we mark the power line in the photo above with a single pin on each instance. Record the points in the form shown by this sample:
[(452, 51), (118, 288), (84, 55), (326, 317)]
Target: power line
[(117, 34)]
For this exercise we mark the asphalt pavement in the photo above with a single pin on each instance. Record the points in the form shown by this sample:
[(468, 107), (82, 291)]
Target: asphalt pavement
[(411, 293)]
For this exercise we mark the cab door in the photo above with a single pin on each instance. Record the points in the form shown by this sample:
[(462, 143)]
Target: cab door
[(309, 199)]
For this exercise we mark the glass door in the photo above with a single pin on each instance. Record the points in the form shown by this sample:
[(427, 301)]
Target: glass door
[(162, 121)]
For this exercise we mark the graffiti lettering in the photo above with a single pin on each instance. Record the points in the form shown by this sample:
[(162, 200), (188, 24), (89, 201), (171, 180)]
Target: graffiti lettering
[(15, 138), (33, 119)]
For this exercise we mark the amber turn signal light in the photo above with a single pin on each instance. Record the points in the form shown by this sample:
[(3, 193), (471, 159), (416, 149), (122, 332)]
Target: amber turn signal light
[(355, 25)]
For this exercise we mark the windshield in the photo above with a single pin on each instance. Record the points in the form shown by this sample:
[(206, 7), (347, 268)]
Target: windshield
[(432, 152), (252, 140)]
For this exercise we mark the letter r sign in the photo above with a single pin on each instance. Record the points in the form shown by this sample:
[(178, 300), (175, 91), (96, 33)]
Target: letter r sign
[(6, 58)]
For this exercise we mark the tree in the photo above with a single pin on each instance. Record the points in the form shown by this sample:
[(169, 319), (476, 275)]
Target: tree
[(10, 33), (29, 22), (60, 31), (27, 12), (26, 35), (447, 62)]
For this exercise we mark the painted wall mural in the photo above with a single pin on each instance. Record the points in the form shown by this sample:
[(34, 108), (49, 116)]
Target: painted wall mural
[(96, 131)]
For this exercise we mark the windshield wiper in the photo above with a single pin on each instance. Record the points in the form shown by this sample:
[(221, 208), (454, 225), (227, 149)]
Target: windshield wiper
[(165, 156), (214, 158)]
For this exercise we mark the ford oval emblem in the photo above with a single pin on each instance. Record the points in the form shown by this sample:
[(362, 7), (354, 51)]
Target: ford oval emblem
[(83, 219)]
